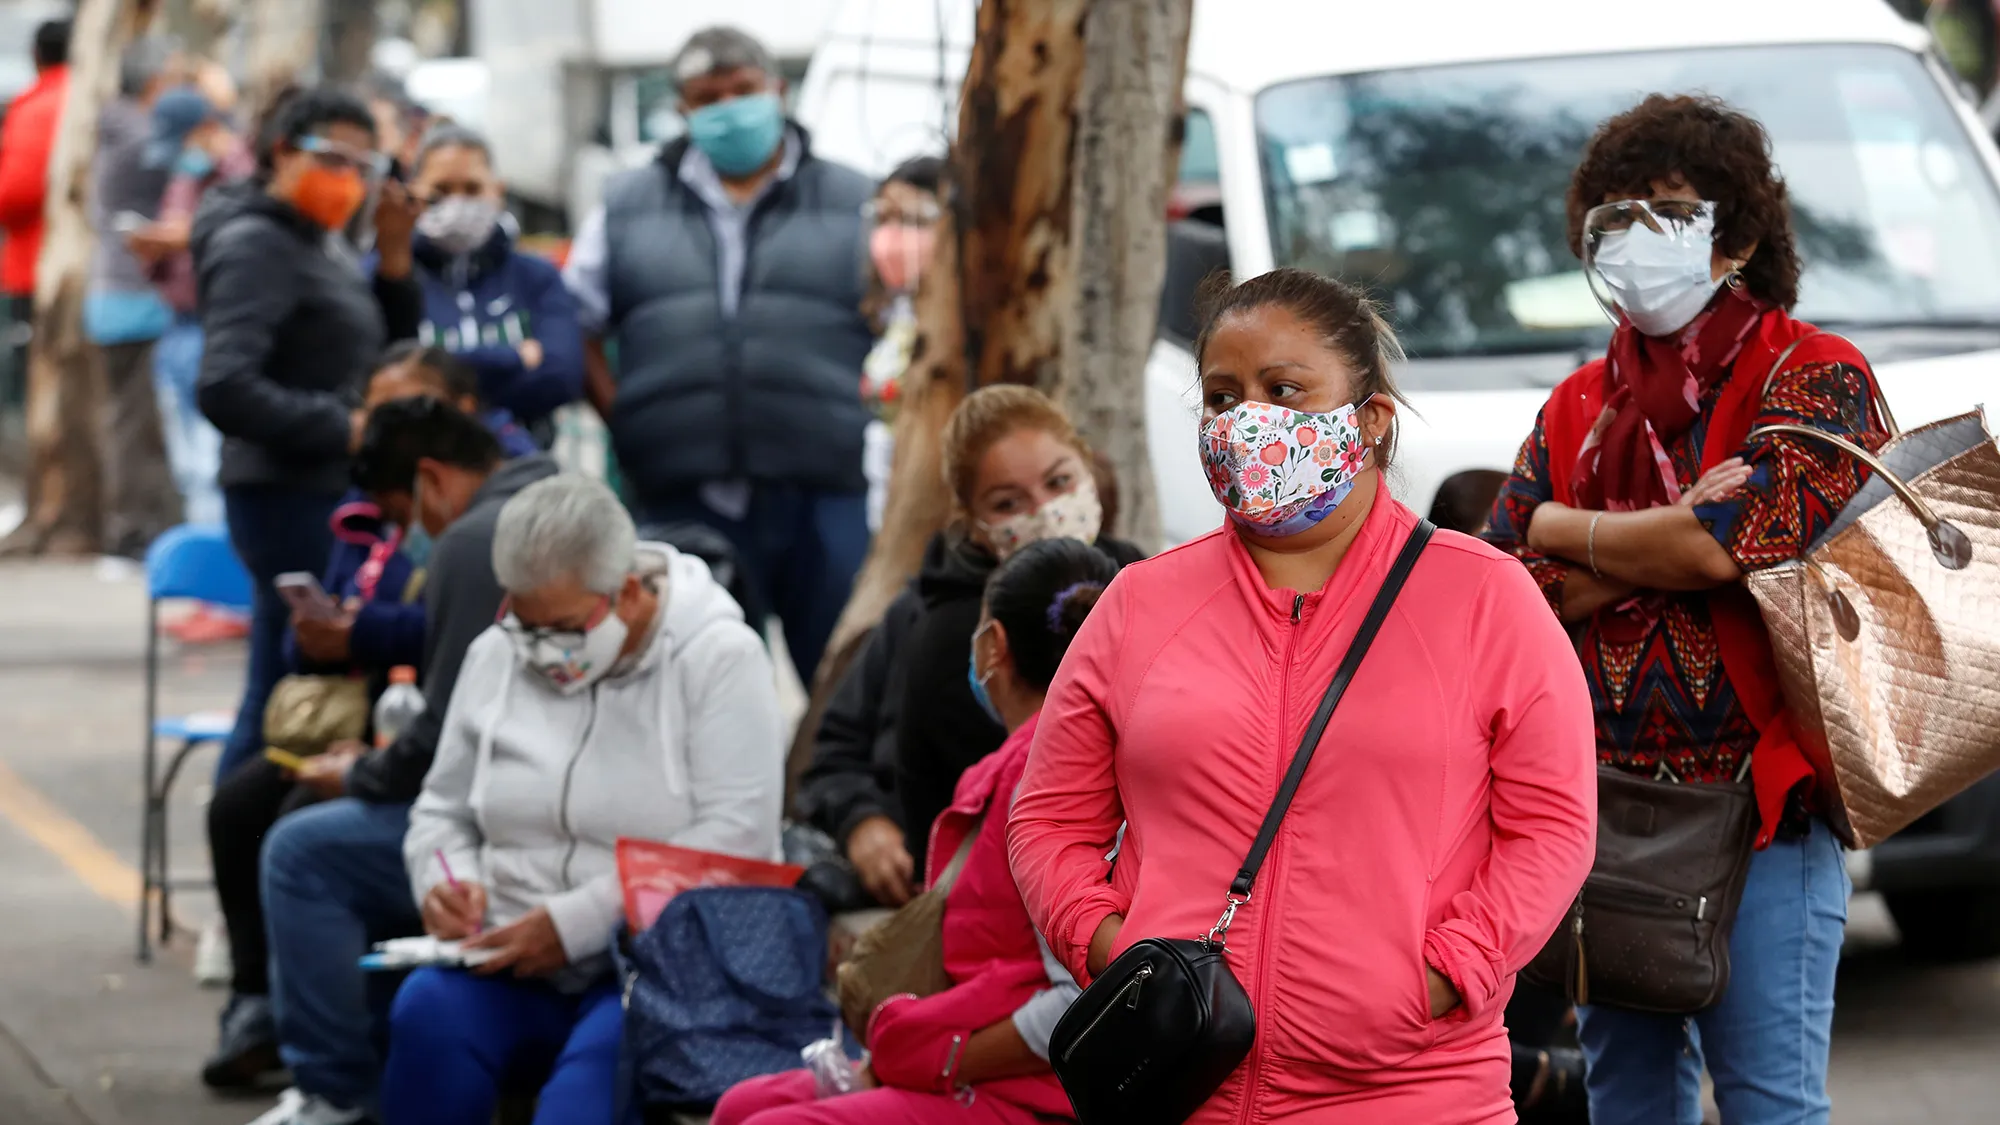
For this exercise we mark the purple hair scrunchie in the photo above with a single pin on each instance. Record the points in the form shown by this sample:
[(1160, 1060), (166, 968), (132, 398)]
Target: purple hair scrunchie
[(1062, 600)]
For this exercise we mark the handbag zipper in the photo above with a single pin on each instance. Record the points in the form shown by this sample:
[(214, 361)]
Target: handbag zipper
[(1127, 995), (1660, 900)]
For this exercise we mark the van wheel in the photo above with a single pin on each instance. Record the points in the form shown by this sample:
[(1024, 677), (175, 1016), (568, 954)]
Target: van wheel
[(1953, 925)]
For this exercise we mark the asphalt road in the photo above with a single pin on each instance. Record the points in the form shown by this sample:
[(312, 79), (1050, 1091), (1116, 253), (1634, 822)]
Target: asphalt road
[(88, 1037)]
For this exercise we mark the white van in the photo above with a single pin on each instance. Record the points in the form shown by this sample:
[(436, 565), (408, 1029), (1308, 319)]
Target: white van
[(1422, 149)]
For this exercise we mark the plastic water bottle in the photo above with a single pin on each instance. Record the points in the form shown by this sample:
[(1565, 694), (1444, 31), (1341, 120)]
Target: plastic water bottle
[(399, 706)]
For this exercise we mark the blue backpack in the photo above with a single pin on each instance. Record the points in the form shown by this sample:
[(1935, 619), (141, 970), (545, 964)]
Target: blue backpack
[(728, 984)]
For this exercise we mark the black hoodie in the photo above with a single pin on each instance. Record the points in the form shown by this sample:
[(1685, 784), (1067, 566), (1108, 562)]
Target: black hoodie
[(942, 730), (290, 331)]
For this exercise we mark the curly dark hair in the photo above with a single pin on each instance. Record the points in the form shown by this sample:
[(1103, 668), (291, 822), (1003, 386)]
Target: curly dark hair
[(1720, 152)]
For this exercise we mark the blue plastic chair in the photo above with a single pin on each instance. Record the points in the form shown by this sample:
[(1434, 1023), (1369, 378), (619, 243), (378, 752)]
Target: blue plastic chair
[(190, 561)]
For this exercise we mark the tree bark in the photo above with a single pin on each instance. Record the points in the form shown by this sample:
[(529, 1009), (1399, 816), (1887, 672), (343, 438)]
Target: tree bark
[(349, 41), (991, 306), (65, 486), (280, 45), (1127, 153)]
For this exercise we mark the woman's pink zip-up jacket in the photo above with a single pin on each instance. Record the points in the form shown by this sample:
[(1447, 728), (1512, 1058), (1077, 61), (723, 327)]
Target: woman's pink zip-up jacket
[(1448, 817)]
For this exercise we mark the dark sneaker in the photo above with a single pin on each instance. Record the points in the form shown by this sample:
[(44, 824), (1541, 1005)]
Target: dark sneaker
[(247, 1050)]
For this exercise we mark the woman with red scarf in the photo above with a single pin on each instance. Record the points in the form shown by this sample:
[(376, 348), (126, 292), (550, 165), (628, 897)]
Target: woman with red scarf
[(1638, 502)]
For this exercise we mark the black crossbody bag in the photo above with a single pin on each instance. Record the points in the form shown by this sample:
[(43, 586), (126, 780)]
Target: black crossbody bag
[(1166, 1024)]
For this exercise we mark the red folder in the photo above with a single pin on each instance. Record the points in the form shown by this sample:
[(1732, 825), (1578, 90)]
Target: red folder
[(652, 872)]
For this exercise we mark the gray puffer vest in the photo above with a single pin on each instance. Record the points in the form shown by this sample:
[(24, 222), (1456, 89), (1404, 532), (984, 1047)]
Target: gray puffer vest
[(771, 394)]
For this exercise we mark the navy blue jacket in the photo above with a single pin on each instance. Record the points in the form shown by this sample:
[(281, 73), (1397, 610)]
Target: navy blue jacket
[(389, 628), (483, 306)]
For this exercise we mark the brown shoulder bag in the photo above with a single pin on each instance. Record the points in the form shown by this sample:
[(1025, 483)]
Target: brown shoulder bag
[(904, 955)]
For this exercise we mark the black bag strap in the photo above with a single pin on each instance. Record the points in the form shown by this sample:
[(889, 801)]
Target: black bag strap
[(1239, 889)]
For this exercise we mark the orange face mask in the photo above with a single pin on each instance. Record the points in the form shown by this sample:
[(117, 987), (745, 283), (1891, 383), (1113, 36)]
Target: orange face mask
[(327, 197)]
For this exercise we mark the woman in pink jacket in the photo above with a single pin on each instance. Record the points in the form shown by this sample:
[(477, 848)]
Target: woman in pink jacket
[(1449, 815), (976, 1053)]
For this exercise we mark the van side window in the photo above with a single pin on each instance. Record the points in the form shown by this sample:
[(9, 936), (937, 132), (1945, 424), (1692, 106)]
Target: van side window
[(1197, 190)]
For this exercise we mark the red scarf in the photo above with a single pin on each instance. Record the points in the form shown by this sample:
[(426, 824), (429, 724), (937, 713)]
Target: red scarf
[(1653, 390)]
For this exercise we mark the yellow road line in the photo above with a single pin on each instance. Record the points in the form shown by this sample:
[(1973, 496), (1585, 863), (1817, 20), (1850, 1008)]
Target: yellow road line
[(38, 818)]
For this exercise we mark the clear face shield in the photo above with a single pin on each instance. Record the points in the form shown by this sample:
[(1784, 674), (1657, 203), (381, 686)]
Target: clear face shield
[(1651, 262)]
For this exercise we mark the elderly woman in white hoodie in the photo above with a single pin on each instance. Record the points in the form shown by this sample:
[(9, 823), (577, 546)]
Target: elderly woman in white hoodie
[(620, 694)]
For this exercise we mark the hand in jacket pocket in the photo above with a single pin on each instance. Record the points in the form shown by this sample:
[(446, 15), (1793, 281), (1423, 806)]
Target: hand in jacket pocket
[(1444, 997)]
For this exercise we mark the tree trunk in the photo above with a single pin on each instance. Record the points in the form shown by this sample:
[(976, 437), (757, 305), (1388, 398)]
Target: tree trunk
[(991, 306), (1127, 151), (65, 487), (349, 40), (280, 45), (198, 24)]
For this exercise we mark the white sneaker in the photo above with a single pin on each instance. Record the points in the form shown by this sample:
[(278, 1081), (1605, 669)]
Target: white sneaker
[(212, 965), (294, 1108)]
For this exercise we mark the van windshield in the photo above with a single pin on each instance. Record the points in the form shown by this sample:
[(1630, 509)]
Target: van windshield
[(1441, 190)]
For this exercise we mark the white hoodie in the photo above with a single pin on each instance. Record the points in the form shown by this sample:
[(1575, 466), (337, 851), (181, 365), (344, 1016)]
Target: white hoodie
[(531, 789)]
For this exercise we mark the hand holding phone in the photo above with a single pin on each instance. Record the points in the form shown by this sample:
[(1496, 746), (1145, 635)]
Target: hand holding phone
[(303, 594)]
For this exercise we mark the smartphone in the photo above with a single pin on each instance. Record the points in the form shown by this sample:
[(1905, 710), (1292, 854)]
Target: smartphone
[(283, 758), (302, 592), (125, 222)]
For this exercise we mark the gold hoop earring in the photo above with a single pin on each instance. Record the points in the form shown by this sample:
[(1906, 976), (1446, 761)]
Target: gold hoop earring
[(1734, 279)]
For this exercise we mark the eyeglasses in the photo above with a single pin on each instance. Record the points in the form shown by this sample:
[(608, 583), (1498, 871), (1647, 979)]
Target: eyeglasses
[(1670, 217), (564, 638), (340, 157), (889, 214)]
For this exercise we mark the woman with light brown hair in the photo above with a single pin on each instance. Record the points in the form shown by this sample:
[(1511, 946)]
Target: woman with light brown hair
[(904, 725)]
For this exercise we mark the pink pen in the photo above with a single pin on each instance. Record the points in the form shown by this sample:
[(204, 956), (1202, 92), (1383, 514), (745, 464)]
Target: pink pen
[(455, 885)]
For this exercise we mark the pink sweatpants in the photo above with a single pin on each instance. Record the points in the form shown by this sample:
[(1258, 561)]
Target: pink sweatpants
[(788, 1099)]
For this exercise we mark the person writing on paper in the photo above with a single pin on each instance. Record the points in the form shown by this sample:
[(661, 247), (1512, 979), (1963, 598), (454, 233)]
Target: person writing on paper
[(1449, 815), (620, 694), (1007, 990)]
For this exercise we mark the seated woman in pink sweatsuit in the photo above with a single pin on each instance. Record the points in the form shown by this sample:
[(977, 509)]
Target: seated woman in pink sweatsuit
[(1448, 816), (976, 1053)]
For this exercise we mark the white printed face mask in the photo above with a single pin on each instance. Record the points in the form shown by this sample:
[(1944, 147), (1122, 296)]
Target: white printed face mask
[(569, 660), (1651, 261), (1076, 514)]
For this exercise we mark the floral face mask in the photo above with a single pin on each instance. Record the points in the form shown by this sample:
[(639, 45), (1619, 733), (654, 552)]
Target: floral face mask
[(1076, 514), (1280, 471)]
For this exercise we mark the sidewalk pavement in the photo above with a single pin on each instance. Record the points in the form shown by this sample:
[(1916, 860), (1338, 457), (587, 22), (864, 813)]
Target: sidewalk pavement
[(87, 1035)]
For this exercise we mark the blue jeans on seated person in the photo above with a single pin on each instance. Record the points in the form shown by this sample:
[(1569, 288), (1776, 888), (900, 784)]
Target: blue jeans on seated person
[(1766, 1044), (275, 530), (334, 884), (455, 1037)]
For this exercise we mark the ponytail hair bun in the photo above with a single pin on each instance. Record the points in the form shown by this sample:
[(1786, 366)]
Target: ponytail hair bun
[(1073, 603), (1041, 596)]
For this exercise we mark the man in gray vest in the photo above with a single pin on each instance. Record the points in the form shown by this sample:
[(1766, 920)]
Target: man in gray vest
[(729, 273)]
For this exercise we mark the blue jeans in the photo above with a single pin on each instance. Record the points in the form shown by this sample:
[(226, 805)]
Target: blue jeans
[(1766, 1043), (800, 548), (275, 530), (334, 884), (194, 446), (455, 1037)]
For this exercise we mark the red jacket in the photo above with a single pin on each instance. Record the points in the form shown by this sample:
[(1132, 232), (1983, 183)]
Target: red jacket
[(26, 140), (1779, 763), (1447, 820), (990, 949)]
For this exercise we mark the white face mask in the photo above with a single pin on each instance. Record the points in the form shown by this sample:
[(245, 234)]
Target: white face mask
[(570, 661), (1660, 279), (1076, 514)]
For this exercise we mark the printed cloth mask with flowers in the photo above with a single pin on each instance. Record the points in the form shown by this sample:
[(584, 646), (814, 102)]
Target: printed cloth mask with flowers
[(1076, 514), (1281, 471), (569, 659)]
